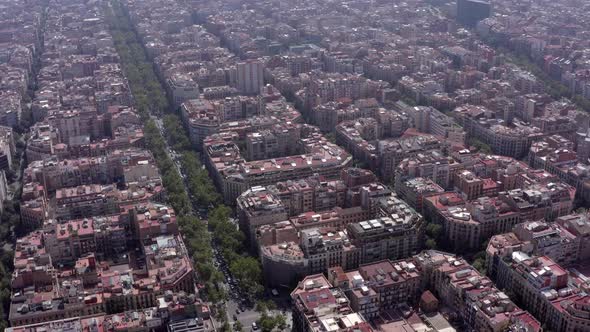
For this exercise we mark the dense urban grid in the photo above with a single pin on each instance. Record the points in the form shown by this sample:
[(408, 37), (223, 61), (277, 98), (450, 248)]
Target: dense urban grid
[(310, 166)]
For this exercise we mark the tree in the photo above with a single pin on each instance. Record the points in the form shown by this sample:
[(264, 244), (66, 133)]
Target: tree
[(480, 265), (479, 145), (430, 243), (226, 327), (281, 321), (263, 306), (221, 313), (175, 133), (219, 213), (213, 294), (248, 272), (200, 184), (434, 230), (206, 271), (238, 326), (331, 137), (267, 323)]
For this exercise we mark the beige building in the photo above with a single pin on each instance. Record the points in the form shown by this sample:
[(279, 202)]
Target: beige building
[(317, 304), (542, 286), (233, 174), (481, 123), (182, 88)]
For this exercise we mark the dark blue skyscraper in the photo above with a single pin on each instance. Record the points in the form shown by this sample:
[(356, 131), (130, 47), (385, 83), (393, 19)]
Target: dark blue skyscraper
[(469, 12)]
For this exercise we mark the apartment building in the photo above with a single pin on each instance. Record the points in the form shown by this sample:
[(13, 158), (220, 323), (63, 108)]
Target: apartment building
[(250, 77), (318, 305), (544, 288), (315, 242), (233, 175), (7, 148), (182, 88), (430, 164), (414, 190), (481, 123)]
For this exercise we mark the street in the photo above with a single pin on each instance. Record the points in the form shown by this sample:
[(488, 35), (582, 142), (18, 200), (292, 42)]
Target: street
[(236, 306)]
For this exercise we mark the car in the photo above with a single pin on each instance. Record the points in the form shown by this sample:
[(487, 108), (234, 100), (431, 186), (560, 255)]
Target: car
[(235, 317), (254, 326), (274, 292), (238, 311)]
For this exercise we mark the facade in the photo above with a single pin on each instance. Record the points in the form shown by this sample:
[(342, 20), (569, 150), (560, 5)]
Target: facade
[(541, 239), (467, 224), (277, 141), (414, 190), (151, 220), (233, 175), (93, 200), (432, 164), (384, 238), (368, 141), (382, 290), (576, 224), (541, 285), (479, 122), (317, 305), (431, 121), (390, 123), (240, 114), (386, 228), (250, 79), (258, 207), (3, 190), (182, 88), (128, 166), (393, 151), (10, 108), (7, 148), (34, 209), (104, 290), (43, 142)]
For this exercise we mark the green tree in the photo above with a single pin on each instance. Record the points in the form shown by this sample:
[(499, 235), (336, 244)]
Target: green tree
[(434, 230), (480, 265), (331, 137), (220, 213), (266, 322), (176, 133), (264, 305), (248, 272), (281, 321), (430, 243), (226, 327), (479, 145)]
